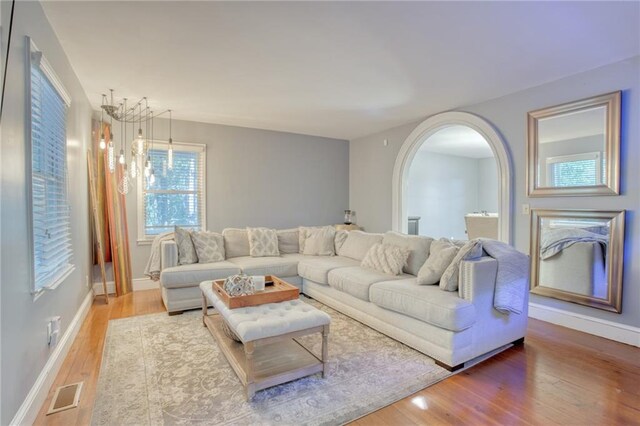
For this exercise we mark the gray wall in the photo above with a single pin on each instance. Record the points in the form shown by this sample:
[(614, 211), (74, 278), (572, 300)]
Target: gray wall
[(371, 168), (488, 185), (567, 147), (259, 178), (23, 323)]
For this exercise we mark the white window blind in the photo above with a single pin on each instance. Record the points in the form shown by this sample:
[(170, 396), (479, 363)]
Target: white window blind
[(51, 231), (576, 170), (177, 197)]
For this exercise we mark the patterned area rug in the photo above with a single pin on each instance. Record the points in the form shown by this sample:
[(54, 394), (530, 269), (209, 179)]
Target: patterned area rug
[(158, 369)]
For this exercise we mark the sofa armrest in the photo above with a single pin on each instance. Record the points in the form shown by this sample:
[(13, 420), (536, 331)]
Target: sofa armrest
[(477, 280), (168, 254)]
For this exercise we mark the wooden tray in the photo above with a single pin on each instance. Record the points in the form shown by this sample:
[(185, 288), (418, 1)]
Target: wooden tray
[(280, 291)]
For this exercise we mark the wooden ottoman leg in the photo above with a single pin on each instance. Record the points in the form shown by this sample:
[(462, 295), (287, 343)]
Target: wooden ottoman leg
[(250, 386), (325, 350)]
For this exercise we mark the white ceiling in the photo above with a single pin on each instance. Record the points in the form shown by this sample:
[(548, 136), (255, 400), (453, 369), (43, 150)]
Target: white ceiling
[(337, 69), (462, 141)]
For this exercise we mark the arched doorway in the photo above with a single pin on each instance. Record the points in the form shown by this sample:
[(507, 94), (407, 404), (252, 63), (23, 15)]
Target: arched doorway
[(424, 131)]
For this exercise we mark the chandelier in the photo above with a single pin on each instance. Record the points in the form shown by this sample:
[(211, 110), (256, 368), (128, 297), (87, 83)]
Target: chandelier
[(136, 162)]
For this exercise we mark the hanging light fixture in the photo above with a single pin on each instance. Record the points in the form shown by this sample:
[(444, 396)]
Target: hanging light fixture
[(121, 159), (123, 184), (103, 143), (170, 149), (147, 163), (140, 140)]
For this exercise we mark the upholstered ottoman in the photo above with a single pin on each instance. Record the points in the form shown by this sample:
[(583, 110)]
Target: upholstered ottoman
[(267, 355)]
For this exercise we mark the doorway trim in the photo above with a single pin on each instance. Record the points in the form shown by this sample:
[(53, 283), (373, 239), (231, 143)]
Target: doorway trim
[(415, 140)]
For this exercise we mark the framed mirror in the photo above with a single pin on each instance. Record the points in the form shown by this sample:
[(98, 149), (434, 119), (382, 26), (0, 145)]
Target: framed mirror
[(574, 148), (576, 256)]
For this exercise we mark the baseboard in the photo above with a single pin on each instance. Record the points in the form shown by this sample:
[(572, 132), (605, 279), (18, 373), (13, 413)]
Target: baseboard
[(596, 326), (139, 284), (28, 411)]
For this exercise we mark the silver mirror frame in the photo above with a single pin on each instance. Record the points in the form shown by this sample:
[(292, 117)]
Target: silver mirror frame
[(615, 256), (611, 101)]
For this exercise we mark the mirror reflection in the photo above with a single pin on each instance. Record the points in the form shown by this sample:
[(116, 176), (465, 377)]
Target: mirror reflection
[(577, 256)]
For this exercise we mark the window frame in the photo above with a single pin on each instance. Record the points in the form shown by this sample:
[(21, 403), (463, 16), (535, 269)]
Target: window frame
[(48, 71), (143, 238)]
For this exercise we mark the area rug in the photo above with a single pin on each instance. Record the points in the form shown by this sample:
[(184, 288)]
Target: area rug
[(158, 369)]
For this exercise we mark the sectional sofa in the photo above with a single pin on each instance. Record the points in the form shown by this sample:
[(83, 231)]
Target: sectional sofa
[(451, 327)]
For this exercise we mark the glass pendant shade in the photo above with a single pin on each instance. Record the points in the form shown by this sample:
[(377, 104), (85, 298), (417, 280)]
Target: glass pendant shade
[(111, 158), (103, 143), (170, 155), (152, 178), (133, 169), (121, 158), (147, 168), (123, 185)]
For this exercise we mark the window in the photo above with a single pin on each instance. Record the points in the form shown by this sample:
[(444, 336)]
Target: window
[(575, 170), (49, 208), (177, 197)]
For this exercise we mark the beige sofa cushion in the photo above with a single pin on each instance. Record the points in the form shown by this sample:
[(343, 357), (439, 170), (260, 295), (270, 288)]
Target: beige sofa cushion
[(279, 266), (418, 245), (288, 241), (209, 246), (426, 303), (317, 268), (356, 280), (192, 275), (302, 236), (341, 237), (471, 250), (186, 251), (358, 244)]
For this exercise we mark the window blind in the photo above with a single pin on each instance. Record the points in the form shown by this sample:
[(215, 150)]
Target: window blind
[(51, 236), (177, 197), (576, 170)]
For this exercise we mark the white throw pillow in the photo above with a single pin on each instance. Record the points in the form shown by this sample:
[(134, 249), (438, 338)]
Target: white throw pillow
[(386, 258), (236, 242), (471, 250), (288, 241), (341, 237), (441, 255), (320, 242), (302, 236), (358, 244), (417, 244), (186, 252), (209, 246), (263, 242)]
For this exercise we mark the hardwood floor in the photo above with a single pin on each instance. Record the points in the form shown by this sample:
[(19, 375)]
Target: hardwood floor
[(559, 376)]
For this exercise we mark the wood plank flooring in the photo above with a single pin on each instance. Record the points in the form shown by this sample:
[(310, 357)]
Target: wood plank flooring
[(559, 376)]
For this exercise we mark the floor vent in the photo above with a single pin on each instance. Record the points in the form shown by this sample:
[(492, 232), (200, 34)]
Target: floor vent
[(66, 397)]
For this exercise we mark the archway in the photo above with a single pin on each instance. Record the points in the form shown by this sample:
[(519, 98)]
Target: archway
[(428, 128)]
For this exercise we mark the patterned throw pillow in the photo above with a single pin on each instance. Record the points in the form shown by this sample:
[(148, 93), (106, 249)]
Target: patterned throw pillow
[(263, 242), (209, 246), (440, 257), (386, 258), (471, 250), (186, 252)]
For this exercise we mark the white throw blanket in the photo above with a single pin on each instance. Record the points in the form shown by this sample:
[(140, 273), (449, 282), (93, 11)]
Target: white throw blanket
[(512, 280), (553, 241), (152, 270)]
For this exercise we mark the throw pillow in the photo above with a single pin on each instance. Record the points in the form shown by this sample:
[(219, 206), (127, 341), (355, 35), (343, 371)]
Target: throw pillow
[(471, 250), (341, 237), (302, 236), (320, 241), (386, 258), (236, 242), (209, 246), (442, 253), (417, 244), (263, 242), (288, 241), (358, 244), (186, 252)]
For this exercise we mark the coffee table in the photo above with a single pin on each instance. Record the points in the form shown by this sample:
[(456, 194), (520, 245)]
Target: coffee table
[(267, 354)]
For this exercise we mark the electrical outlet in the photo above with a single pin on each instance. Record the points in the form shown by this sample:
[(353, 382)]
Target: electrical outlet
[(526, 210)]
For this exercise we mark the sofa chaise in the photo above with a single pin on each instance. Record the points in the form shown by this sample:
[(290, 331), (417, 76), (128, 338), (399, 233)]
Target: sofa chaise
[(452, 327)]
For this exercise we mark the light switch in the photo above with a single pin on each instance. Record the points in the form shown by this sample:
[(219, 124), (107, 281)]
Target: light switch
[(525, 209)]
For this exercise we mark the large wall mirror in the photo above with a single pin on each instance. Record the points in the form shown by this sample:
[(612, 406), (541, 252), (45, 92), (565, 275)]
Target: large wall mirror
[(574, 148), (576, 256)]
